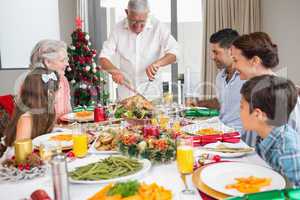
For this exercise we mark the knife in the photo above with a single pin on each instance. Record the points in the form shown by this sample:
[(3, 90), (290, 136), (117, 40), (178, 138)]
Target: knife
[(129, 87)]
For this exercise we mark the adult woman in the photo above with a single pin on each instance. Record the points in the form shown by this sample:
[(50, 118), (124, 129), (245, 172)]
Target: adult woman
[(254, 55), (52, 54)]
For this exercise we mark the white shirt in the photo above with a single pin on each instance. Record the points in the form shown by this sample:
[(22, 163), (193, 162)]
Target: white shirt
[(137, 51)]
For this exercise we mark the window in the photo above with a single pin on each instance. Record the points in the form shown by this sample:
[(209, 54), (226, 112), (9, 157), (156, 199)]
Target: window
[(190, 34)]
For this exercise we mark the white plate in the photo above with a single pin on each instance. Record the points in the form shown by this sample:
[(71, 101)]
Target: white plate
[(93, 150), (215, 124), (217, 176), (45, 140), (230, 145), (70, 117), (95, 158)]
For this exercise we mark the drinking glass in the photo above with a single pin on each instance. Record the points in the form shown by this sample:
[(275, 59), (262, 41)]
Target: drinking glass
[(185, 160), (80, 141)]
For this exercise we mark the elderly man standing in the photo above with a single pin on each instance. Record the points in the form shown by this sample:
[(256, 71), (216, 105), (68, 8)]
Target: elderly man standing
[(142, 45)]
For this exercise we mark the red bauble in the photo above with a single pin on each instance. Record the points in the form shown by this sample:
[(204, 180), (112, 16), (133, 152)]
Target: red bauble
[(77, 45)]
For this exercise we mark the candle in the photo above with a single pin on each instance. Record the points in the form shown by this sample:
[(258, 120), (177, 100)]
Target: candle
[(23, 148)]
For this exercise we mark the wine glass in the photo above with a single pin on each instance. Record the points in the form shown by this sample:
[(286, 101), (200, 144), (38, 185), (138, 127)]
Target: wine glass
[(185, 160)]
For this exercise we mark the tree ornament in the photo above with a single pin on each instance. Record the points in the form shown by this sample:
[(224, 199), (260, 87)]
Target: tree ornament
[(87, 68), (69, 69), (83, 86), (73, 81), (72, 47), (87, 37), (78, 22), (94, 70)]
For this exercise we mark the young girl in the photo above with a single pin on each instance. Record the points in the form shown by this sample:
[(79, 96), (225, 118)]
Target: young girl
[(52, 54), (34, 114)]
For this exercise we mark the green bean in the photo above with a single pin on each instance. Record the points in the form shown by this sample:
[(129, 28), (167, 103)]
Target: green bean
[(108, 168)]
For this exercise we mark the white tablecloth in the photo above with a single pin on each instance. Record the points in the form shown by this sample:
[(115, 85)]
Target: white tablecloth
[(164, 175)]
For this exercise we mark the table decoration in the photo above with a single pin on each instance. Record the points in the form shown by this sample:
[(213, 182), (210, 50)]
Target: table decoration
[(156, 145), (30, 168)]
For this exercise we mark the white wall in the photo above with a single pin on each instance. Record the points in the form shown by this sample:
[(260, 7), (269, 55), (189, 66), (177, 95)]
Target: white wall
[(65, 15), (280, 19), (23, 24)]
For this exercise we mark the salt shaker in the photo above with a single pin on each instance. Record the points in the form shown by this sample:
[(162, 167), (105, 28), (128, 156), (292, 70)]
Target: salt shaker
[(60, 177)]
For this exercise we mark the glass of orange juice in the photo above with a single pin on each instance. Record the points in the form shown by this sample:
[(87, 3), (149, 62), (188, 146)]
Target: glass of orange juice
[(164, 121), (185, 160), (80, 141)]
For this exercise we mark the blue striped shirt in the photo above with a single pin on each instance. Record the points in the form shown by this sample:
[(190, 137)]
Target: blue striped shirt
[(294, 121), (281, 150)]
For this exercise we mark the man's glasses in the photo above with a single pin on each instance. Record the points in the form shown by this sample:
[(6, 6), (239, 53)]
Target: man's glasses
[(134, 22)]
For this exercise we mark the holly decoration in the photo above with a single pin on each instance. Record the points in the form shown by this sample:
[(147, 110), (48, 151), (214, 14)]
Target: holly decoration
[(158, 148), (83, 70), (32, 160)]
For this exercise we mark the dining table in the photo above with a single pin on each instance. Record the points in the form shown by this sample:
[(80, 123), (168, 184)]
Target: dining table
[(165, 175)]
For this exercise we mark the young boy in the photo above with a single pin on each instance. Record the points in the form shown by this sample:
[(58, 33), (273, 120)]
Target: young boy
[(266, 104)]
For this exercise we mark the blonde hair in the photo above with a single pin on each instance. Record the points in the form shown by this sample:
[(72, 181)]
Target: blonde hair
[(45, 49)]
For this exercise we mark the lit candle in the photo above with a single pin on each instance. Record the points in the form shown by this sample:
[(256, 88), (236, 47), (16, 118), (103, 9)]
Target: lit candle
[(23, 148)]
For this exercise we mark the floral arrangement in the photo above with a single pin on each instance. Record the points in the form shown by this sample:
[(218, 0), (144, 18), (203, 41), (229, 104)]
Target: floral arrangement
[(32, 160), (32, 167), (151, 143)]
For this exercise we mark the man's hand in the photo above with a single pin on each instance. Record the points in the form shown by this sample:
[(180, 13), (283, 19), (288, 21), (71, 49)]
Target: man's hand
[(118, 77), (151, 71)]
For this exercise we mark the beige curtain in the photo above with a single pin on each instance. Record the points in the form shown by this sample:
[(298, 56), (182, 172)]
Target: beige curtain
[(82, 12), (242, 15)]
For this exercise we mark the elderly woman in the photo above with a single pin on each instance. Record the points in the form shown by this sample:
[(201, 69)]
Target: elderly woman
[(254, 55), (52, 54)]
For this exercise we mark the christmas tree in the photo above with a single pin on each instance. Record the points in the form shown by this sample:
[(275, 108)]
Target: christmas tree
[(86, 78)]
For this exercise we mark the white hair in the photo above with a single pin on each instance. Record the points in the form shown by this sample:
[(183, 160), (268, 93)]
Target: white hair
[(46, 49), (138, 5)]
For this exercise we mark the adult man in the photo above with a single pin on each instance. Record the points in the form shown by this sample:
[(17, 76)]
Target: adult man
[(228, 82), (143, 46)]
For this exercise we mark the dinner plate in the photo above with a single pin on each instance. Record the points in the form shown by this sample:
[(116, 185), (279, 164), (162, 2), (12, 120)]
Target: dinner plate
[(204, 188), (45, 140), (93, 150), (109, 129), (95, 158), (226, 155), (210, 123), (217, 176), (71, 117)]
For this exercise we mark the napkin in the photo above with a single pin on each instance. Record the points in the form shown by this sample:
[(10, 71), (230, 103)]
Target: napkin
[(195, 112), (201, 140)]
